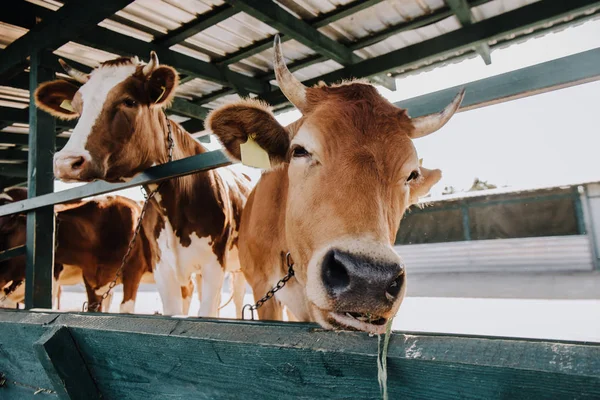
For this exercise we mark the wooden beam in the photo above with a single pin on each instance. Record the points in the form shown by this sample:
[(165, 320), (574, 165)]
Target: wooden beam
[(107, 40), (274, 360), (512, 22), (60, 358), (14, 170), (186, 166), (275, 16), (465, 17), (202, 22), (11, 253), (14, 155), (23, 140), (40, 222), (552, 75), (64, 25)]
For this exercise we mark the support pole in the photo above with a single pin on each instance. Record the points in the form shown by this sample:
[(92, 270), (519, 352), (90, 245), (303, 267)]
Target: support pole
[(40, 222)]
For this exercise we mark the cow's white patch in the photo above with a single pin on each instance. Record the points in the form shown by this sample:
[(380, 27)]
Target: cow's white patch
[(292, 296), (94, 94), (101, 290), (127, 307), (307, 139)]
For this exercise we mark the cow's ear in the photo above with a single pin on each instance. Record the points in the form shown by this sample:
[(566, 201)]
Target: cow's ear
[(55, 98), (423, 184), (234, 124), (161, 85)]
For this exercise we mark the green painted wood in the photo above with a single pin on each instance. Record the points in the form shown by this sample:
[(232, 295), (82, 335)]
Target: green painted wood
[(202, 22), (551, 75), (186, 166), (107, 40), (462, 10), (64, 25), (40, 222), (23, 140), (342, 11), (14, 170), (285, 22), (12, 253), (579, 215), (21, 116), (132, 357), (18, 362), (59, 356), (518, 20)]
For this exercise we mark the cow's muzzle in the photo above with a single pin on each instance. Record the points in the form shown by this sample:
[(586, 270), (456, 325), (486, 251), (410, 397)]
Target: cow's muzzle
[(74, 167), (364, 291)]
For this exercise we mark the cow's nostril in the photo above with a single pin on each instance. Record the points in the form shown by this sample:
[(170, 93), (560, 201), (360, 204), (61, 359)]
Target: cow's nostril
[(335, 274), (77, 163), (394, 288)]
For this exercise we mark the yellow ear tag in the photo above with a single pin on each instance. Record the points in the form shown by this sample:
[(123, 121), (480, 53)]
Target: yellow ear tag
[(253, 155), (161, 94), (66, 104)]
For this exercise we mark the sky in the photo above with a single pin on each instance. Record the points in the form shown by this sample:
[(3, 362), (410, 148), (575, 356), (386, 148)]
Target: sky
[(542, 140)]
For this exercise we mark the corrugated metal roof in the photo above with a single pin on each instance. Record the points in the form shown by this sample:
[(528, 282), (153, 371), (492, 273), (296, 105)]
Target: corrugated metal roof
[(149, 19)]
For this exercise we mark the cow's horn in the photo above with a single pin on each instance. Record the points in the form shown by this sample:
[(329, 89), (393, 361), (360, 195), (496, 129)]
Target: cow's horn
[(152, 64), (291, 87), (427, 124), (74, 73)]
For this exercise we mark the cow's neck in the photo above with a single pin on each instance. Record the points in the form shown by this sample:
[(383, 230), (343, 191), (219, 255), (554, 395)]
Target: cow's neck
[(190, 203)]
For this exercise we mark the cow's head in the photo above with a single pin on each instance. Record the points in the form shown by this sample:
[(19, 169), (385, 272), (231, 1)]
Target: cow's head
[(117, 134), (352, 171)]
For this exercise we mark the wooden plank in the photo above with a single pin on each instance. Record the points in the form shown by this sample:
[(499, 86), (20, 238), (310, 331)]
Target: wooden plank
[(552, 75), (64, 25), (148, 357), (59, 356), (18, 363), (12, 253), (186, 166), (40, 222), (463, 12)]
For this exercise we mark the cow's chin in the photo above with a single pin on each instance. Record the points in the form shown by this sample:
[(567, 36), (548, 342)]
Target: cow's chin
[(349, 321)]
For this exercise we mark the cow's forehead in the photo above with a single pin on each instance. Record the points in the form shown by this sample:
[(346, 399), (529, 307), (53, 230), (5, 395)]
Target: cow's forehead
[(103, 80)]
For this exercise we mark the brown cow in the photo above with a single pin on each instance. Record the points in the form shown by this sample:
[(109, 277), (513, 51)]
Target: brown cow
[(122, 130), (91, 239), (342, 176)]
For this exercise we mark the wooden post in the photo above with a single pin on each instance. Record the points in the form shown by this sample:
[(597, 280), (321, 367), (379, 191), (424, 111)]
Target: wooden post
[(466, 222), (40, 222), (58, 354)]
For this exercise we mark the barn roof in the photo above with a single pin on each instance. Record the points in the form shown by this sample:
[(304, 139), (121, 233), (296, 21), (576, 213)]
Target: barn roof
[(223, 49)]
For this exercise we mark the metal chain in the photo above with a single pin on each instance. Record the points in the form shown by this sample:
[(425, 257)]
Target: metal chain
[(280, 284), (170, 145), (4, 380)]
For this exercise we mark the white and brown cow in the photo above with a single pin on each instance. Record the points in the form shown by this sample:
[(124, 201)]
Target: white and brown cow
[(122, 130), (92, 237), (342, 176)]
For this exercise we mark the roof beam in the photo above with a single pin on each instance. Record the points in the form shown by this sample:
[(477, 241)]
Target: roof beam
[(20, 139), (332, 16), (518, 20), (108, 40), (64, 25), (14, 170), (463, 12), (286, 23), (551, 75), (202, 22), (320, 21)]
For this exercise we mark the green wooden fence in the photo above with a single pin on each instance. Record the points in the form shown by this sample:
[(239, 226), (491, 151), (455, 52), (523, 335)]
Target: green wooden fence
[(88, 356)]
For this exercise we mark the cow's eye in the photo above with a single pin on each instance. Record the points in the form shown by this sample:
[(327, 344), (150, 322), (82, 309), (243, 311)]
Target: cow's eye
[(129, 102), (413, 175), (299, 151)]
